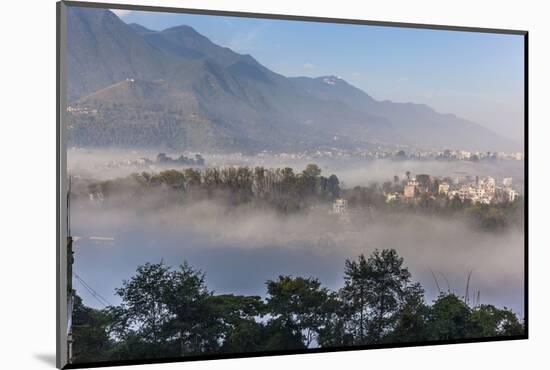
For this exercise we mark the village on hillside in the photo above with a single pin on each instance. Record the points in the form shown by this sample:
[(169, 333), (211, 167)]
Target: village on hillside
[(461, 187), (475, 189)]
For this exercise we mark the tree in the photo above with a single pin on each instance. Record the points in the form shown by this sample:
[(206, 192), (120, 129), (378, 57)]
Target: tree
[(387, 187), (426, 202), (355, 296), (243, 191), (211, 179), (333, 186), (172, 178), (193, 322), (411, 321), (309, 182), (487, 217), (287, 181), (166, 312), (298, 304), (90, 333), (489, 321), (456, 203), (169, 312), (335, 330), (240, 330), (192, 177), (143, 302), (448, 318), (280, 337), (261, 182), (375, 288), (312, 170), (389, 283)]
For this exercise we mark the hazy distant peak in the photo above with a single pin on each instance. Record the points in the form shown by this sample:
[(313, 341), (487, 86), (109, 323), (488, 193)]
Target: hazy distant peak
[(184, 30), (248, 105)]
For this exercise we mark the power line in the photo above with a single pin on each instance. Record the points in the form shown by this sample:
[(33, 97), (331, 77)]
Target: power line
[(92, 291)]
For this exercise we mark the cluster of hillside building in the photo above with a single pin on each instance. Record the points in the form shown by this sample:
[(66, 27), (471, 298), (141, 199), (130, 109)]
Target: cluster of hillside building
[(383, 153), (484, 190), (81, 110)]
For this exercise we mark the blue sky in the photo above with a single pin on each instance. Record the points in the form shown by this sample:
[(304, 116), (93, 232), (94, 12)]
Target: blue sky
[(477, 76)]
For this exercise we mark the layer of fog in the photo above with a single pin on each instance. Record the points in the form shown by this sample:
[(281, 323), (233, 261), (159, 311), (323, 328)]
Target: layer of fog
[(352, 171), (239, 249)]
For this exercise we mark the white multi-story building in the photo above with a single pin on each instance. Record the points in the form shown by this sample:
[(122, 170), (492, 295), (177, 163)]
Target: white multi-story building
[(410, 189), (517, 156), (340, 206), (391, 197), (443, 188), (488, 184), (464, 192), (511, 194), (464, 155), (475, 193)]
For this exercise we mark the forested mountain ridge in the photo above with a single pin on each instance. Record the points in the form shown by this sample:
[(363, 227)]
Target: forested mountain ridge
[(133, 87)]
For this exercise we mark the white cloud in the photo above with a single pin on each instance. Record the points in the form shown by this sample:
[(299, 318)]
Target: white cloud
[(308, 66)]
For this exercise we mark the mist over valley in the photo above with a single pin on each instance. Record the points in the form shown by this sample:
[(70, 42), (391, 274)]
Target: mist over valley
[(240, 247), (320, 216)]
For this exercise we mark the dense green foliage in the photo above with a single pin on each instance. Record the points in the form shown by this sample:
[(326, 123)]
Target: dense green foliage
[(169, 312), (486, 217), (284, 190), (281, 188)]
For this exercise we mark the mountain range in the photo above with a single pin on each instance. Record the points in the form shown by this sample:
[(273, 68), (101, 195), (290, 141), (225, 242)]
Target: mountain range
[(128, 86)]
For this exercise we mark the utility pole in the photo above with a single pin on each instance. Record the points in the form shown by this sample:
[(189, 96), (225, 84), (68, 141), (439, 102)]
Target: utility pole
[(70, 291), (361, 315), (70, 299)]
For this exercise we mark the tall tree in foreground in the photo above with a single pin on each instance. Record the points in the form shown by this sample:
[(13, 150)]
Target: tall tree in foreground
[(143, 306), (239, 329), (90, 333), (335, 332), (169, 312), (194, 324), (411, 321), (448, 318), (356, 298), (488, 321), (298, 305), (166, 313), (375, 289)]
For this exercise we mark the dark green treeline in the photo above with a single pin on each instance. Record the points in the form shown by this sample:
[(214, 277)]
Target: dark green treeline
[(170, 312)]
